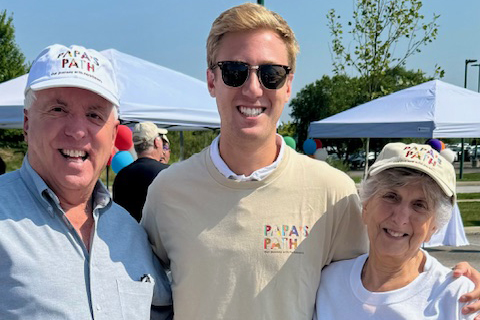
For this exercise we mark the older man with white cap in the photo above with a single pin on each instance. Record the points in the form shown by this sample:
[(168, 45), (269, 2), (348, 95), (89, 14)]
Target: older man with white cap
[(66, 250), (131, 183)]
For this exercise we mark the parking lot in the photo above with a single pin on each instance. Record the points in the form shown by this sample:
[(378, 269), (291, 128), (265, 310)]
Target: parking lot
[(449, 256)]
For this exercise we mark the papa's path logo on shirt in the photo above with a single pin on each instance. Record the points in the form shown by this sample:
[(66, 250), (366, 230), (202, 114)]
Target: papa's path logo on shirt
[(283, 238)]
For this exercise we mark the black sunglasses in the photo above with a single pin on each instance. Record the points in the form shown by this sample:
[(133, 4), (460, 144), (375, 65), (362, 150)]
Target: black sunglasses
[(235, 73)]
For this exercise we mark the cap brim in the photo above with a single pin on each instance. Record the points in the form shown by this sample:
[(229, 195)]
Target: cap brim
[(164, 137), (396, 164), (75, 83)]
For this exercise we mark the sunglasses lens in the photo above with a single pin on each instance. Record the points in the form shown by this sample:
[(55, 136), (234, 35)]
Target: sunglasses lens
[(234, 74), (272, 76)]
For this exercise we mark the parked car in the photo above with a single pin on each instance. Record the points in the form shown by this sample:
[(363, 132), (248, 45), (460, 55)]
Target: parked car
[(357, 160), (458, 154)]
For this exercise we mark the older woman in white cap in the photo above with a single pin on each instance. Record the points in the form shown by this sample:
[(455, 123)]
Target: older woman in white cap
[(407, 196)]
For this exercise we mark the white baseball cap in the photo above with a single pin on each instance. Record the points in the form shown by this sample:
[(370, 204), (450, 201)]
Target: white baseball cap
[(420, 157), (74, 66), (147, 131)]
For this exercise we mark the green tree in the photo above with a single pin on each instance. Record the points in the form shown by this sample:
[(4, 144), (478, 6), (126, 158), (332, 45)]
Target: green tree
[(385, 33), (288, 129), (329, 96), (193, 142), (12, 60), (323, 98)]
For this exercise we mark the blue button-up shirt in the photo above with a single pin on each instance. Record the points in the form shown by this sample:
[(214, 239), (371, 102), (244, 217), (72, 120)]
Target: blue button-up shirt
[(46, 271)]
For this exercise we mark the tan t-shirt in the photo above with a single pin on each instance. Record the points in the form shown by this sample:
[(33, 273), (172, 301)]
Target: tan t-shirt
[(252, 249)]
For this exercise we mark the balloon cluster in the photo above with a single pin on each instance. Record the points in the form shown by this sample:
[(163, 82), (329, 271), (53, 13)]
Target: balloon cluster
[(436, 144), (314, 147), (124, 142), (445, 152)]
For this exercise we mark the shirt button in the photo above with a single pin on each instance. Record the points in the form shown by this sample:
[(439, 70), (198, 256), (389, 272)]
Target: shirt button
[(98, 307)]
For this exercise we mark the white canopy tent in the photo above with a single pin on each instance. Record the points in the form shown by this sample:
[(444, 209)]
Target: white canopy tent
[(148, 92), (11, 103), (433, 109)]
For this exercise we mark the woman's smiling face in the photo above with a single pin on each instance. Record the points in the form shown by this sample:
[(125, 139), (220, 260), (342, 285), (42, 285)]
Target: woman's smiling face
[(398, 221)]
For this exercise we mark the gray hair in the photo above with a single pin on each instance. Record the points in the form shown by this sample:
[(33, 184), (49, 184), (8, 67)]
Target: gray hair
[(31, 97), (401, 177), (144, 145)]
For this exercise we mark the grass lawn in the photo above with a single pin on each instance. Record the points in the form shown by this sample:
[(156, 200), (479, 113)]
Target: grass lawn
[(357, 179), (470, 212), (13, 158), (470, 176), (463, 196)]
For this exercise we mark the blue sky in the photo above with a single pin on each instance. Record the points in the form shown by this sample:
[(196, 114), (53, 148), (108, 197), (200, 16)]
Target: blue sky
[(173, 33)]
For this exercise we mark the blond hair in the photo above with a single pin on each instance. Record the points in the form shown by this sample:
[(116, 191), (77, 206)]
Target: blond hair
[(247, 17)]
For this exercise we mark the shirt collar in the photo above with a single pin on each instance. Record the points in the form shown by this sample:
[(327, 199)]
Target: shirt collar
[(257, 175), (42, 192)]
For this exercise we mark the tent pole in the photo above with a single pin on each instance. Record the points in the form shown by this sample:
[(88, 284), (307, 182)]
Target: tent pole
[(367, 147), (462, 158), (108, 167), (182, 154)]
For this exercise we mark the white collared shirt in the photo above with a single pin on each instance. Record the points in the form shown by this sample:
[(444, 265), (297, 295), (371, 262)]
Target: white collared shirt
[(257, 175)]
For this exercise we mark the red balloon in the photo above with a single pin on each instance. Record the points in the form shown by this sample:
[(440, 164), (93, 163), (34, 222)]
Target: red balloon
[(319, 143), (124, 140)]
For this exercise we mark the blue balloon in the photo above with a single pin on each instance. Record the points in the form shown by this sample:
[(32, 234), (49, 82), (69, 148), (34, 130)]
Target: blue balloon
[(309, 146), (120, 160)]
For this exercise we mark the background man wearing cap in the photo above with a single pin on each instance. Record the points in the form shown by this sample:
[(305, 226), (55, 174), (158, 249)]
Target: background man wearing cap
[(131, 183), (66, 250), (248, 224)]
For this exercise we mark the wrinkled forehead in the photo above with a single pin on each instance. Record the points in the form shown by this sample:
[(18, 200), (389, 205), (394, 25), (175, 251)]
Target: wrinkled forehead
[(72, 96)]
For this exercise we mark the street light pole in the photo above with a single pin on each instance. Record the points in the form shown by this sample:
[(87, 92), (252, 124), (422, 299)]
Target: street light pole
[(462, 158), (476, 141), (477, 65)]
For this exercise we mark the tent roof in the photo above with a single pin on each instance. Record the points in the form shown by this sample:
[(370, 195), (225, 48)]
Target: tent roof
[(148, 92), (433, 109), (11, 102)]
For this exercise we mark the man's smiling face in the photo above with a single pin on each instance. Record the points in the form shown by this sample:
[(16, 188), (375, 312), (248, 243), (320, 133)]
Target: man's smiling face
[(70, 134)]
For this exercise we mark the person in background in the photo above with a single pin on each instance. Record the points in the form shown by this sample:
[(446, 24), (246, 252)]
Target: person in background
[(67, 251), (3, 166), (166, 149), (131, 183), (407, 196)]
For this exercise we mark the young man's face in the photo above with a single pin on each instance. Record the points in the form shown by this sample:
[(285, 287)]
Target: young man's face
[(70, 134), (250, 111)]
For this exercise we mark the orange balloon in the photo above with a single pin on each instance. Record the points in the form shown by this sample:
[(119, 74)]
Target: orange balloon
[(443, 144)]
